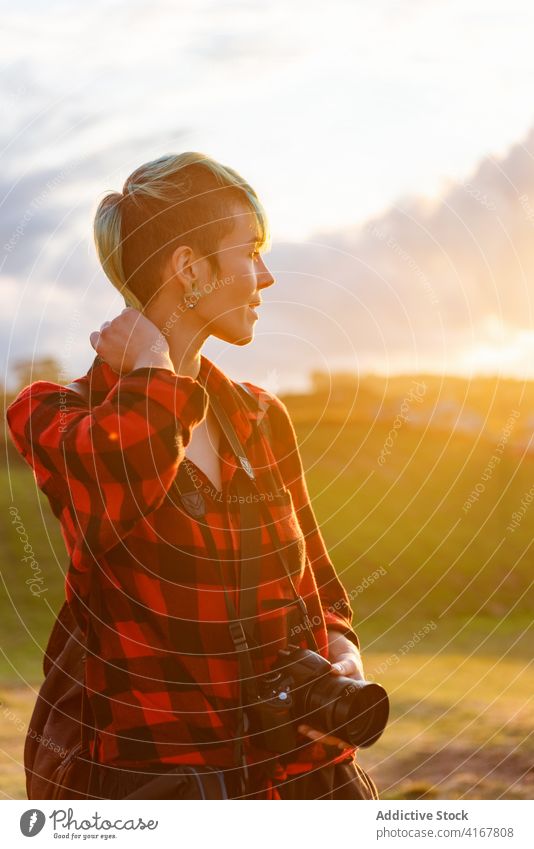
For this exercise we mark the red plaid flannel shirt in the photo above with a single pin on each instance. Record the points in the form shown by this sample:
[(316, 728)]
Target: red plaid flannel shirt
[(163, 677)]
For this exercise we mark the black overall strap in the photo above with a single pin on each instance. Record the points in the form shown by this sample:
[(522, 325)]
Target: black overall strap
[(250, 531), (277, 486), (252, 505), (241, 647), (250, 522)]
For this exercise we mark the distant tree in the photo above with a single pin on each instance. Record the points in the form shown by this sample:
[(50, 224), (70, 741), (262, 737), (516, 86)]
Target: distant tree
[(28, 371), (341, 381)]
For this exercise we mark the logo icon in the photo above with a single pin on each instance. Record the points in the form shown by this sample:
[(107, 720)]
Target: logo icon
[(194, 503), (31, 822)]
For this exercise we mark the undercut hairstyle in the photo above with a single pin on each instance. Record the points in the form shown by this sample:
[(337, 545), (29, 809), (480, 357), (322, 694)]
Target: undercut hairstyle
[(183, 199)]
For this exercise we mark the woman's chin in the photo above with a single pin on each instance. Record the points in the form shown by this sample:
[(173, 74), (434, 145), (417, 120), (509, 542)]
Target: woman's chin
[(239, 338), (245, 339)]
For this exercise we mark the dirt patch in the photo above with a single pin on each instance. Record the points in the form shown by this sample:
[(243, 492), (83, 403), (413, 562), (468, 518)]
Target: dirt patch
[(452, 772)]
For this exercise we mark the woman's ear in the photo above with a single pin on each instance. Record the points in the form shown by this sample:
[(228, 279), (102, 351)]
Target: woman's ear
[(180, 258)]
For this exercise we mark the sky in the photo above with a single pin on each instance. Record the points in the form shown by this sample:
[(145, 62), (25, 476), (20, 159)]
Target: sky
[(391, 143)]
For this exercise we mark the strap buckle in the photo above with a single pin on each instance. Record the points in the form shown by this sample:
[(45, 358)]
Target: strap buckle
[(308, 624), (239, 638)]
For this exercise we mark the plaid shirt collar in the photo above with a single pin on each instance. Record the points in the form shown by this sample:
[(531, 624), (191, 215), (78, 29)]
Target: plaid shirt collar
[(102, 379)]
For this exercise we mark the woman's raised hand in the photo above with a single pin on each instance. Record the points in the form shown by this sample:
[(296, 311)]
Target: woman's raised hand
[(131, 341)]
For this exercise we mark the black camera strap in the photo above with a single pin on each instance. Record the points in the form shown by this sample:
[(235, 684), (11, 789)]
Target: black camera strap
[(275, 487), (241, 624), (252, 501)]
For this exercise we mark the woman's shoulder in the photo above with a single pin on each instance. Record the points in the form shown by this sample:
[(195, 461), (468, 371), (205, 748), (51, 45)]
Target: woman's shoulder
[(271, 409), (264, 398)]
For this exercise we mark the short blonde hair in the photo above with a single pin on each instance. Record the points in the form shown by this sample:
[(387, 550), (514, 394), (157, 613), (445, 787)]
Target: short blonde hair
[(182, 199)]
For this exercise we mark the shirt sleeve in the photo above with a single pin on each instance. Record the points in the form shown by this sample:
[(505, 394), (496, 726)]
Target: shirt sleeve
[(334, 599), (111, 464)]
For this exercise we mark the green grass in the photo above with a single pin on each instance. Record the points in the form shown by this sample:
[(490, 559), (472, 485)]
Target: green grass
[(407, 517), (460, 727), (27, 618), (461, 695)]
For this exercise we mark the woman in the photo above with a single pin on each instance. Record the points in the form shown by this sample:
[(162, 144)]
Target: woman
[(183, 243)]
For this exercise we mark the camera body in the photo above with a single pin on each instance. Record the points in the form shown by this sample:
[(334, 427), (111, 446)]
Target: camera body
[(301, 688)]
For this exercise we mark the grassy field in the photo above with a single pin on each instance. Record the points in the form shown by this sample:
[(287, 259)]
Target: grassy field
[(441, 596), (461, 720), (462, 705)]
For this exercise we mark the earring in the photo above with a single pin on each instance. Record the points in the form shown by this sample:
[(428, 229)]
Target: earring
[(192, 300)]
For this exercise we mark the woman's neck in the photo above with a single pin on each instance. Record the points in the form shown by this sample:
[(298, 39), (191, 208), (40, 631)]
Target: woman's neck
[(185, 336)]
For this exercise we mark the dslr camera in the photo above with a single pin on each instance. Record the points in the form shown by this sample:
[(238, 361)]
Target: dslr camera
[(301, 688)]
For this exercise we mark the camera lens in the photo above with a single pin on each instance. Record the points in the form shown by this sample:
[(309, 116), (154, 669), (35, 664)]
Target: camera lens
[(355, 711), (362, 714)]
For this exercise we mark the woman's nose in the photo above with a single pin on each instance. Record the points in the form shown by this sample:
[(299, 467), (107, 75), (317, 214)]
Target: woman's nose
[(264, 278)]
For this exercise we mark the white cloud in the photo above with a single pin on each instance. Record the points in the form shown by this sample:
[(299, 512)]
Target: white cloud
[(333, 114)]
